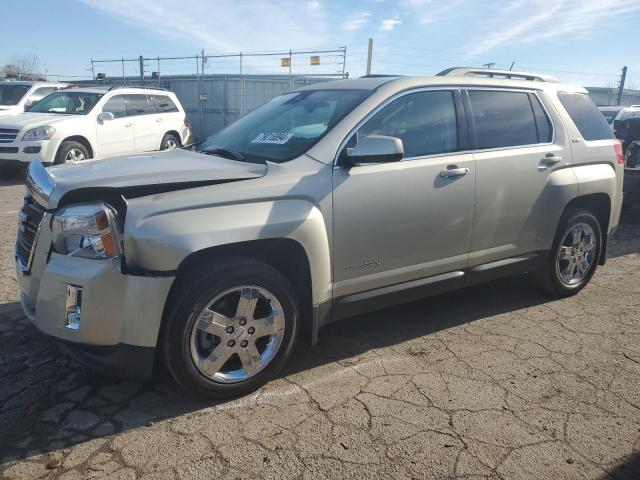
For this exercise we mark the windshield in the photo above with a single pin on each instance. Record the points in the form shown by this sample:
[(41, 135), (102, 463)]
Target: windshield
[(11, 94), (67, 102), (285, 127)]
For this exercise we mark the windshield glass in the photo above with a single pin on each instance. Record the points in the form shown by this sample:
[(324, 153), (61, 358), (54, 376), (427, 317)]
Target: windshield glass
[(67, 102), (11, 94), (287, 126)]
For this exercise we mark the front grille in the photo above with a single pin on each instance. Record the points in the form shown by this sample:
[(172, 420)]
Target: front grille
[(8, 149), (8, 135), (31, 216)]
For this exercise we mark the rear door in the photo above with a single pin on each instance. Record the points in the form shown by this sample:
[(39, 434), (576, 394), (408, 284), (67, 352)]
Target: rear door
[(519, 145), (115, 137), (147, 123)]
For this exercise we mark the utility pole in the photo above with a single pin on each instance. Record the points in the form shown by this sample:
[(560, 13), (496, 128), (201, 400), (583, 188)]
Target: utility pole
[(623, 77), (141, 60), (369, 56)]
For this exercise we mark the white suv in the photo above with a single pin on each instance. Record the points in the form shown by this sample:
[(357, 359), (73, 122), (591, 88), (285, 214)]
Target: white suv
[(16, 97), (80, 123)]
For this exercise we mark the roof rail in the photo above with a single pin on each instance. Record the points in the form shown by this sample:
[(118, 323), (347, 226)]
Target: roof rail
[(137, 86), (380, 75), (493, 73)]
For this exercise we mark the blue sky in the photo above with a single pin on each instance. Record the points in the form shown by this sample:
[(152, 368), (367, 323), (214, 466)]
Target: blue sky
[(581, 41)]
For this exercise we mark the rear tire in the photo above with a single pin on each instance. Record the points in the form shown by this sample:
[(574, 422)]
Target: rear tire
[(71, 151), (574, 256), (215, 347), (170, 142)]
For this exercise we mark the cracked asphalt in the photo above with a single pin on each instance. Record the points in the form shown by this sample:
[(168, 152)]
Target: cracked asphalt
[(496, 381)]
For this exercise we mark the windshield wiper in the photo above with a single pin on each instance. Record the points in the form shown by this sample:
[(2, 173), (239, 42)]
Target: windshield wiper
[(193, 144), (224, 152)]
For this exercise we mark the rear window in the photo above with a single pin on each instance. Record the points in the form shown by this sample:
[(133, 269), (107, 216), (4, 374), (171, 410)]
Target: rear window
[(508, 119), (164, 104), (588, 119), (139, 105)]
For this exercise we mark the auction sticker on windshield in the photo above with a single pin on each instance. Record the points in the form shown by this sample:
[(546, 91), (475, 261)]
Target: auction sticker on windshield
[(277, 138)]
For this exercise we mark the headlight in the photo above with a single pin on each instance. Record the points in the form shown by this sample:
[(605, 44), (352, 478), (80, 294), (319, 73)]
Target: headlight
[(40, 133), (88, 231)]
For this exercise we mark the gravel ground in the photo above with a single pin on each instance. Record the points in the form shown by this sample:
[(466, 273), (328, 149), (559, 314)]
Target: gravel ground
[(495, 381)]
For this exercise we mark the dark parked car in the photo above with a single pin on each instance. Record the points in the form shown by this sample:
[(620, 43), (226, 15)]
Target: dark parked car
[(630, 134), (609, 112), (625, 114)]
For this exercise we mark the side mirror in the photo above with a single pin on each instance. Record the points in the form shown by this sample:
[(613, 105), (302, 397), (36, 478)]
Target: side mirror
[(105, 116), (375, 149)]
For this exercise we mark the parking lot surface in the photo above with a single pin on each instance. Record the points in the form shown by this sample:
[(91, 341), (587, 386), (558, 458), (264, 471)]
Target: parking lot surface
[(495, 381)]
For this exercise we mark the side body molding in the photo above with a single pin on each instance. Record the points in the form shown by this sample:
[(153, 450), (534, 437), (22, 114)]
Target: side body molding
[(160, 241)]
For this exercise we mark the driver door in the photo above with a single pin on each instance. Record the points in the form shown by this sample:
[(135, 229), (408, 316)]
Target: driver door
[(405, 224), (115, 137)]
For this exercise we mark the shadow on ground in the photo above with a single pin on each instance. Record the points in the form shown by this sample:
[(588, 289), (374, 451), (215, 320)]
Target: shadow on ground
[(49, 402)]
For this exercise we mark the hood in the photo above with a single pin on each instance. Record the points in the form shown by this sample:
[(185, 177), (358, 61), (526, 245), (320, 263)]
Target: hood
[(24, 120), (135, 175)]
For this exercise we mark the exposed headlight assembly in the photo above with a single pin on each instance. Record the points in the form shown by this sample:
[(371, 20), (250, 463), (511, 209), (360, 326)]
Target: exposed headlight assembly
[(40, 133), (87, 231)]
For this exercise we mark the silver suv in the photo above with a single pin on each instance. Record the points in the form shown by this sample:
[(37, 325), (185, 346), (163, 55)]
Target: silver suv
[(324, 203)]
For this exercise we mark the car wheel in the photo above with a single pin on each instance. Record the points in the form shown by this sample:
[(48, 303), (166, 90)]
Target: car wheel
[(574, 255), (71, 151), (169, 142), (230, 328)]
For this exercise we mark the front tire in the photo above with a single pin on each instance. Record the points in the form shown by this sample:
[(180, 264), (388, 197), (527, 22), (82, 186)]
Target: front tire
[(574, 255), (71, 151), (230, 328)]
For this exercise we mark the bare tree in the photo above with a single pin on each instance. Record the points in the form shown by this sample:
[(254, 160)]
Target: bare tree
[(23, 67)]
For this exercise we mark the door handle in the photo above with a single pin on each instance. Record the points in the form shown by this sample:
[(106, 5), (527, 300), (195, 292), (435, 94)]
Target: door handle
[(158, 120), (127, 125), (452, 171), (549, 160)]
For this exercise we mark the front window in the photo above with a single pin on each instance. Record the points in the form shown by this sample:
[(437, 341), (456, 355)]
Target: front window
[(424, 121), (12, 94), (285, 127), (67, 102)]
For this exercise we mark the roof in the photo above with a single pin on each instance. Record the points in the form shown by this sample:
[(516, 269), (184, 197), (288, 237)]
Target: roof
[(402, 83), (107, 88), (30, 83)]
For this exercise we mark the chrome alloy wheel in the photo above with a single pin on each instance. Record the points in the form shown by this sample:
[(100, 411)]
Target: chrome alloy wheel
[(74, 155), (237, 334), (170, 144), (576, 254)]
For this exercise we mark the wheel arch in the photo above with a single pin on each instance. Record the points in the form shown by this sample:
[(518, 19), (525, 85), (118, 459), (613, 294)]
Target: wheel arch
[(600, 205), (80, 139), (286, 255), (171, 132)]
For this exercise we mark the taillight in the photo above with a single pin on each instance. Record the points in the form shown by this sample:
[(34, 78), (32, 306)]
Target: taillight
[(186, 123), (617, 146)]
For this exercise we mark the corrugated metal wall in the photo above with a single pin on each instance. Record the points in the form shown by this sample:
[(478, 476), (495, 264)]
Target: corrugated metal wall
[(603, 96), (225, 101)]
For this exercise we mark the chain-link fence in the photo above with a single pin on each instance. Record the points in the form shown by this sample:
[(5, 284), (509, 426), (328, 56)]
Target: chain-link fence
[(215, 90)]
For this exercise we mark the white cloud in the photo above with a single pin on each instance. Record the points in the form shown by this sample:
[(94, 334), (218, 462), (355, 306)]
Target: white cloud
[(225, 25), (430, 11), (314, 6), (389, 24), (532, 21), (356, 22)]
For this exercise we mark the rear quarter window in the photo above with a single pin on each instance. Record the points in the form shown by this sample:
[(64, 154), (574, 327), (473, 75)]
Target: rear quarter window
[(586, 116)]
